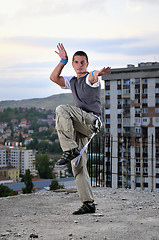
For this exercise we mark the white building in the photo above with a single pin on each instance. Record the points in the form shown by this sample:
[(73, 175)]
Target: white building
[(18, 157), (28, 161), (132, 126), (3, 158)]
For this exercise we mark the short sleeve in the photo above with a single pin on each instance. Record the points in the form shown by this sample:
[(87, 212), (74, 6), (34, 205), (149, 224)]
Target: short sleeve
[(67, 82), (97, 84)]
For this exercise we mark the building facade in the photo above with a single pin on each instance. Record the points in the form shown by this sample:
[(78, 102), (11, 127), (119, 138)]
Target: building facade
[(131, 122), (19, 158)]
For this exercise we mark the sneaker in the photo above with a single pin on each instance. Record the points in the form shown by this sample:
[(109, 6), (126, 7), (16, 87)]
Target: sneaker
[(68, 156), (86, 208)]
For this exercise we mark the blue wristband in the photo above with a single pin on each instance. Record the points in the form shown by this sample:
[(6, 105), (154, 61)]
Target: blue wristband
[(92, 73), (64, 61)]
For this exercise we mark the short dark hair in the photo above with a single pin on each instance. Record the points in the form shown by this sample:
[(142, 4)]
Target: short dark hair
[(80, 53)]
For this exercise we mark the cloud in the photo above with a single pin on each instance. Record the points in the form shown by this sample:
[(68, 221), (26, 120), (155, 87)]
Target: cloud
[(125, 46), (59, 7), (31, 65), (28, 87), (145, 1)]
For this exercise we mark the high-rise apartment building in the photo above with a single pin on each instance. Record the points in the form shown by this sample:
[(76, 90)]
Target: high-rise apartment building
[(19, 158), (132, 126)]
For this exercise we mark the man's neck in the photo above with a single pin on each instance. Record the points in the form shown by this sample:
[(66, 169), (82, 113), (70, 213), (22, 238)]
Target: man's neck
[(81, 74)]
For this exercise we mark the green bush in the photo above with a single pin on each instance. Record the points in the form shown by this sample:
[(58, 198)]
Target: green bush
[(55, 185), (6, 191)]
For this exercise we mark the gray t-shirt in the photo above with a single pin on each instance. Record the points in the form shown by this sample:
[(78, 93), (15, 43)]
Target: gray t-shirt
[(85, 95)]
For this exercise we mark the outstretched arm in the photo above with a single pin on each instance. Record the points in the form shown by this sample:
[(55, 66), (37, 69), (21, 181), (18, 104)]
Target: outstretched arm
[(55, 75), (93, 76)]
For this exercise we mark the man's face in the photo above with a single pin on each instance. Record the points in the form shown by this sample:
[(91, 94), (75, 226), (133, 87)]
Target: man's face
[(80, 64)]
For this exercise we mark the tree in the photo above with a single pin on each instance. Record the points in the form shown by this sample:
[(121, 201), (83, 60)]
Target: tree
[(43, 166), (55, 148), (6, 191), (20, 138), (43, 146), (33, 144), (28, 182)]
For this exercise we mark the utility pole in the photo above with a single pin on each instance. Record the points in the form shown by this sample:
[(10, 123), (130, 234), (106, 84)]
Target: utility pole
[(111, 159), (127, 162), (152, 173), (141, 164)]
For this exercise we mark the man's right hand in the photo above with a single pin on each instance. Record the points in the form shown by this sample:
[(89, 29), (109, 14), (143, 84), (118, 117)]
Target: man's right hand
[(61, 51)]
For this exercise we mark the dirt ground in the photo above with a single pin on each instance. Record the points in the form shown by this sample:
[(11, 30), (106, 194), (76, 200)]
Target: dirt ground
[(121, 214)]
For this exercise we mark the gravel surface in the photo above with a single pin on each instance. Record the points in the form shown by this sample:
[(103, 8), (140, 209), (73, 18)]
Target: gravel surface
[(121, 214)]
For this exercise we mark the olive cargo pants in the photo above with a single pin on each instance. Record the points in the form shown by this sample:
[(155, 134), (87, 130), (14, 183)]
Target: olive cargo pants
[(75, 127)]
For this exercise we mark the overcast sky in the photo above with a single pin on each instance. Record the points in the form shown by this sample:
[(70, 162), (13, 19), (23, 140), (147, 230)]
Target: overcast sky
[(113, 32)]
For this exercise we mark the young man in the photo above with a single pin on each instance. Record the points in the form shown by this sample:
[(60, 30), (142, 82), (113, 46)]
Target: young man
[(75, 124)]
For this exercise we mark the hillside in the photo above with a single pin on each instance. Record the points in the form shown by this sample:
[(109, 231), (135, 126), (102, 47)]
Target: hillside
[(50, 102)]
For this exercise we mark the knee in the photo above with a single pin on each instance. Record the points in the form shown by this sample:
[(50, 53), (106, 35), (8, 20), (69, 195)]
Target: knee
[(60, 109)]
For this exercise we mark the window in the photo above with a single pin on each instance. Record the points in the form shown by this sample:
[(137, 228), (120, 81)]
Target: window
[(138, 130), (157, 100), (138, 170), (137, 110), (137, 160), (144, 110), (144, 100), (157, 80), (144, 90), (107, 130), (107, 83), (144, 120), (156, 119), (107, 111), (107, 101), (119, 101), (126, 130), (126, 91), (137, 150), (107, 121), (156, 110), (144, 81), (107, 139), (156, 90), (145, 160), (137, 80), (138, 120), (137, 100), (127, 82), (145, 149), (119, 120), (119, 130), (119, 82), (107, 92), (137, 91), (119, 92), (145, 170)]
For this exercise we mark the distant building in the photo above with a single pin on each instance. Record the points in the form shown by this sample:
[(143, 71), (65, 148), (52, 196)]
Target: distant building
[(42, 129), (28, 161), (3, 157), (10, 172), (132, 126), (23, 123), (19, 158), (5, 180)]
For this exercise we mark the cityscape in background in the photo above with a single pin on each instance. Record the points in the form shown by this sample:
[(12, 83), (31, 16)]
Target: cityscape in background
[(131, 132)]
